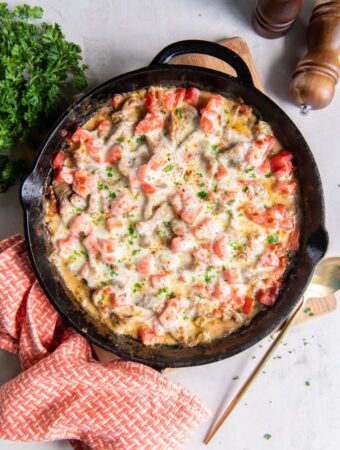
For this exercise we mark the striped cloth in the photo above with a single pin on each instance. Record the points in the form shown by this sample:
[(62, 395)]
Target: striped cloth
[(65, 393)]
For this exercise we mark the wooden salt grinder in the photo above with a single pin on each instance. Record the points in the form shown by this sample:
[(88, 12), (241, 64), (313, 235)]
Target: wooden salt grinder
[(273, 18), (317, 73)]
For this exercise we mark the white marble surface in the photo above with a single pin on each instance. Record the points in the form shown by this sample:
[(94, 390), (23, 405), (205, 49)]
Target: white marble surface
[(121, 35)]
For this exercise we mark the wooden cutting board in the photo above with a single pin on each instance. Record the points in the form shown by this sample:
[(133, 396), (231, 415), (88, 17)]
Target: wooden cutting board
[(314, 307)]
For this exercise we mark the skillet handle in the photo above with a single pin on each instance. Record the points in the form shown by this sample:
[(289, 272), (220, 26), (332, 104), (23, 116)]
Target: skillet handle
[(317, 244), (206, 48)]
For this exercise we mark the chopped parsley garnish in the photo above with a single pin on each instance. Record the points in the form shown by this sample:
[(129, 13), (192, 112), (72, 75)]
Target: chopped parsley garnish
[(132, 230), (273, 239), (186, 317), (289, 254), (137, 287), (245, 189), (167, 224), (202, 194), (231, 202), (102, 186), (179, 113), (208, 275), (112, 195), (168, 168), (109, 171), (249, 170), (185, 177), (267, 436), (99, 219), (268, 175), (214, 147), (141, 139), (252, 175), (136, 251), (162, 234), (161, 291), (121, 139)]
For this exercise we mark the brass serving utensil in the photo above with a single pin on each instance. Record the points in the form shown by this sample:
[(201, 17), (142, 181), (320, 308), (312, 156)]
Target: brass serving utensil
[(325, 282)]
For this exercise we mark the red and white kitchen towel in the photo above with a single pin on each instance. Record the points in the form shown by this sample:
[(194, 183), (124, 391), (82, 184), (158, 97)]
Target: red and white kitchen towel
[(64, 393)]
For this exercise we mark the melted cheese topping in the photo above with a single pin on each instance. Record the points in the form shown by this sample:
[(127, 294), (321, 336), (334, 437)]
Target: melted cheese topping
[(173, 214)]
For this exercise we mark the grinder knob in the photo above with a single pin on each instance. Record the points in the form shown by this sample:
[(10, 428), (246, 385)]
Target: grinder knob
[(317, 73)]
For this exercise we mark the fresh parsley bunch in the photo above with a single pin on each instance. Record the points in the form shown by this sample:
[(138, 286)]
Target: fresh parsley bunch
[(36, 63)]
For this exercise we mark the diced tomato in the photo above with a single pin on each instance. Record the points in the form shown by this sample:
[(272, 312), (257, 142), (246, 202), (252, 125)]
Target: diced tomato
[(122, 204), (114, 223), (151, 122), (209, 114), (245, 110), (293, 241), (80, 135), (222, 172), (81, 224), (192, 95), (238, 293), (214, 104), (205, 229), (117, 100), (281, 164), (104, 126), (187, 205), (276, 216), (119, 299), (254, 156), (247, 305), (268, 296), (108, 249), (159, 280), (285, 187), (58, 160), (232, 276), (65, 175), (221, 291), (171, 313), (207, 124), (114, 154), (147, 335), (66, 246), (264, 168), (146, 265), (84, 183), (148, 188), (183, 244), (94, 149), (220, 247), (91, 244), (179, 96), (269, 259), (152, 101), (156, 162)]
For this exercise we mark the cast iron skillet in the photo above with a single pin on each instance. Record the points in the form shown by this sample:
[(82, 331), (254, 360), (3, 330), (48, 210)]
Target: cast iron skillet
[(313, 241)]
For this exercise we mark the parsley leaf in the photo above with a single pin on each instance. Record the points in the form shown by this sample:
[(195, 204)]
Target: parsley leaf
[(168, 168), (36, 64), (273, 239), (202, 194)]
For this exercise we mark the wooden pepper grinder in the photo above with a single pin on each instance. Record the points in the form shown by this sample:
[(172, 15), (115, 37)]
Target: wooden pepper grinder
[(317, 73), (273, 18)]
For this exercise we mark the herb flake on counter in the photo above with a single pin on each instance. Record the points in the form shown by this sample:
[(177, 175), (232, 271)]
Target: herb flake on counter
[(267, 436), (307, 383)]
